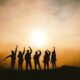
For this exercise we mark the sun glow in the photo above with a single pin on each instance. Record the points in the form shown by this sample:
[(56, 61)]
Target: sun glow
[(38, 38)]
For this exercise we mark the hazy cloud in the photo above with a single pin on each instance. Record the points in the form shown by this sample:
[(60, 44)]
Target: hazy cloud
[(3, 2), (63, 9)]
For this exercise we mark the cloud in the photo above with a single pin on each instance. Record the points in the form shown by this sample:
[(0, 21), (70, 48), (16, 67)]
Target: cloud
[(3, 2), (62, 9)]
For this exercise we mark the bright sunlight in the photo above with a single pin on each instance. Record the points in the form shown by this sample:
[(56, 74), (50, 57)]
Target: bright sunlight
[(38, 38)]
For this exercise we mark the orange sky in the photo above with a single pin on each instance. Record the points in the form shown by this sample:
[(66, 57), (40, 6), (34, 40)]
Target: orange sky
[(60, 19)]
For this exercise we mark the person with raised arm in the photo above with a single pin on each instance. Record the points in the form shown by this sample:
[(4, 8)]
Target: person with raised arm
[(46, 59), (28, 59), (13, 57), (53, 58), (36, 59), (20, 59)]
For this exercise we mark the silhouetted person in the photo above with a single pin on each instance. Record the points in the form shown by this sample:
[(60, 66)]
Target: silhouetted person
[(13, 58), (20, 59), (53, 59), (46, 59), (36, 59), (28, 59)]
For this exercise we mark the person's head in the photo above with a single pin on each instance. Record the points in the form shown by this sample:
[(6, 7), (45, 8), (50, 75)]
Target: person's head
[(19, 52), (12, 52), (36, 52), (27, 51), (53, 52), (54, 47), (45, 52)]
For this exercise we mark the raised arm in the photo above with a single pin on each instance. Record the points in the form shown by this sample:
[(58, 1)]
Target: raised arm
[(16, 49), (6, 57), (39, 52), (30, 49), (48, 52), (24, 51)]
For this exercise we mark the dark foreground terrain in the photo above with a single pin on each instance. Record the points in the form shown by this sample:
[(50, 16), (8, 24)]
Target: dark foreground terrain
[(62, 73)]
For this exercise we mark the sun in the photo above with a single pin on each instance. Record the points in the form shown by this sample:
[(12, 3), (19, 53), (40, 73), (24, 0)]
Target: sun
[(38, 38)]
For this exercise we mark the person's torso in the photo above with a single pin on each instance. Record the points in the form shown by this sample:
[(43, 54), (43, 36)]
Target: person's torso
[(36, 58), (20, 57), (28, 56), (13, 57)]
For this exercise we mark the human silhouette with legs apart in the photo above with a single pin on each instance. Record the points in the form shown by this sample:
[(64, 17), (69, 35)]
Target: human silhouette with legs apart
[(46, 59), (28, 59), (53, 59), (36, 59), (20, 59), (13, 58)]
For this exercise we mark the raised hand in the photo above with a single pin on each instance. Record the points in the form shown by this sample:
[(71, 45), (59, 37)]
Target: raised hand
[(48, 52), (24, 50), (40, 52), (16, 49)]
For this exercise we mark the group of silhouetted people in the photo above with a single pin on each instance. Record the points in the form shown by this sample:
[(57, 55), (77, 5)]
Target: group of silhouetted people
[(27, 56)]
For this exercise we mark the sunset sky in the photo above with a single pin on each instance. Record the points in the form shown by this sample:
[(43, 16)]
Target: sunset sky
[(58, 22)]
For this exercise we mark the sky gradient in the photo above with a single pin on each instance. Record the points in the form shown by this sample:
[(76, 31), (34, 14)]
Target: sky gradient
[(59, 19)]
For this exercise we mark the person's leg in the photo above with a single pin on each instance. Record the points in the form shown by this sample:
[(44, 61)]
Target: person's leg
[(21, 66), (52, 66), (47, 65), (11, 66), (34, 65), (55, 65), (44, 66), (18, 66), (26, 65), (39, 65), (30, 65)]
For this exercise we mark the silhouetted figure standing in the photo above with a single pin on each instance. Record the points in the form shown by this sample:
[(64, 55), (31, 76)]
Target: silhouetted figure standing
[(13, 58), (46, 59), (20, 59), (53, 59), (36, 59), (28, 59)]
